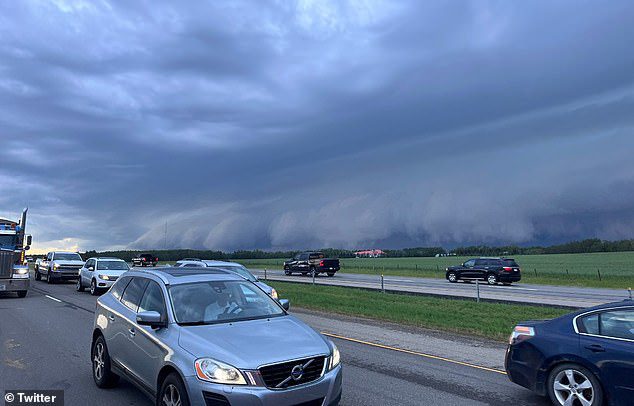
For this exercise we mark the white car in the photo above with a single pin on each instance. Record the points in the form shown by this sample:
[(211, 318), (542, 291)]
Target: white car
[(100, 274)]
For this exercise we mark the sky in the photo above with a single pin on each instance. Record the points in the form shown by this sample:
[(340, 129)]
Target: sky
[(304, 124)]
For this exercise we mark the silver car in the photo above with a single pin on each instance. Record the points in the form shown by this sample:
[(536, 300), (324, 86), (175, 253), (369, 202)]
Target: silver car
[(188, 337)]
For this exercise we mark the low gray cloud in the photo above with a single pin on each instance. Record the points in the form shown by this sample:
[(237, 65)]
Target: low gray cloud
[(298, 124)]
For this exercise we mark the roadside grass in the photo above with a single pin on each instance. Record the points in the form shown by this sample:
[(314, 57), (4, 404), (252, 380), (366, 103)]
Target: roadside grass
[(488, 320), (601, 270)]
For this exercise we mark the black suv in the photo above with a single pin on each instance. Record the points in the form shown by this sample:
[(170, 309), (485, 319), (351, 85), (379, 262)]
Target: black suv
[(491, 270), (311, 262), (145, 260)]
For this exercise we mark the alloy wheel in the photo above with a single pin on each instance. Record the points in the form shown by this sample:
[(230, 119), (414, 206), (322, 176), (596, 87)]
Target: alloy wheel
[(93, 288), (452, 277), (573, 388), (98, 361), (492, 279), (171, 396)]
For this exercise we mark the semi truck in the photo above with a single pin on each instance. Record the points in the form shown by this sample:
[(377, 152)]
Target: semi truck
[(14, 242)]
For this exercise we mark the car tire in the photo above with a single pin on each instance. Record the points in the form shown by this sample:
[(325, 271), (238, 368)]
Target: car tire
[(101, 368), (287, 272), (172, 392), (38, 275), (452, 277), (492, 279), (94, 290), (560, 377), (49, 280), (331, 274), (22, 293), (79, 287)]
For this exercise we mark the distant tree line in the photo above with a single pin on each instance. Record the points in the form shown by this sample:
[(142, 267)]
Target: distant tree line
[(574, 247)]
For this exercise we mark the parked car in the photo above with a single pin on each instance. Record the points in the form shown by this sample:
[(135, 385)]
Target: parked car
[(491, 270), (145, 260), (230, 267), (307, 263), (209, 338), (583, 358), (100, 273), (58, 266)]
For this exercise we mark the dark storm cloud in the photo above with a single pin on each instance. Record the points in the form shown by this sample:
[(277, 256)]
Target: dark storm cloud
[(311, 123)]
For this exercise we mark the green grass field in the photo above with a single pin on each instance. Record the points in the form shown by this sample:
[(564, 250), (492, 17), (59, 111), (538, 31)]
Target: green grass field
[(616, 268), (454, 315)]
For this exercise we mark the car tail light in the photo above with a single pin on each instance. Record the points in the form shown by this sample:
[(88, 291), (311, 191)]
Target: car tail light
[(156, 259), (321, 263), (507, 269), (521, 333)]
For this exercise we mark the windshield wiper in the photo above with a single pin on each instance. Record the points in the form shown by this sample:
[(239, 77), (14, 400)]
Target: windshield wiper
[(194, 323)]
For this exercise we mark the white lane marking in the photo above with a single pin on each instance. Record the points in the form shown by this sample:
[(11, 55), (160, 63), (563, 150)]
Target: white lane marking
[(53, 298)]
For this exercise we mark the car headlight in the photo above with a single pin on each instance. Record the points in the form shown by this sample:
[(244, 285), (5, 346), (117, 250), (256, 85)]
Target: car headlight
[(55, 266), (335, 358), (21, 273), (274, 294), (104, 277), (210, 370)]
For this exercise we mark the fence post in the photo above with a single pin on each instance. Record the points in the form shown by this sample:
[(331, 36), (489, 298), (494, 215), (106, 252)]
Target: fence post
[(567, 274), (599, 272), (265, 274), (535, 269), (437, 269), (478, 290), (629, 290), (382, 285), (313, 277)]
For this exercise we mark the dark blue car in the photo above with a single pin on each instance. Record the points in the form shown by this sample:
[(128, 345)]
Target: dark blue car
[(584, 358)]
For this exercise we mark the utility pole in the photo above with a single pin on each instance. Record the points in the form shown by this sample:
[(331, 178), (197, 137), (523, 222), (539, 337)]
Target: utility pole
[(165, 239)]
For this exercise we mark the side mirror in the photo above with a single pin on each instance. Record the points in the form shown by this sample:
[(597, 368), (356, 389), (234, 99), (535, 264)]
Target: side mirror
[(151, 318), (286, 304), (91, 268), (29, 239), (256, 278)]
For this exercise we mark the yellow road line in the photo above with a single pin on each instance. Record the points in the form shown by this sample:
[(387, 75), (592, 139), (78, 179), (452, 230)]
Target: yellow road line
[(420, 354)]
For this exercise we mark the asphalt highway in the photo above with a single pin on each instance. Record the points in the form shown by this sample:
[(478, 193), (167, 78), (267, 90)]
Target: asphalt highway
[(45, 344), (566, 296)]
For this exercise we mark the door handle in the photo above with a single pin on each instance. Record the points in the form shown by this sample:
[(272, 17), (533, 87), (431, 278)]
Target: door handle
[(132, 332), (595, 348), (110, 317)]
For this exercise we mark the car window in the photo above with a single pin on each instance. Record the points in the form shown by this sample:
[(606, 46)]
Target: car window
[(112, 266), (119, 286), (470, 262), (49, 257), (509, 262), (221, 302), (480, 262), (317, 255), (303, 257), (617, 323), (153, 299), (89, 263), (133, 292), (589, 324)]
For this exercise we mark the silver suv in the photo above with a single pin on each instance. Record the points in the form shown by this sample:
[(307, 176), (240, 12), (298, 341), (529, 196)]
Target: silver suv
[(204, 337)]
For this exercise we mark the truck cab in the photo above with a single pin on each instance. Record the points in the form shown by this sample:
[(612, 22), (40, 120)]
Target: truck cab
[(14, 272)]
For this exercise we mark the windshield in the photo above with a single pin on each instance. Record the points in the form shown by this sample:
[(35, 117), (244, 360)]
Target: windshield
[(7, 241), (66, 257), (112, 266), (221, 302), (240, 270)]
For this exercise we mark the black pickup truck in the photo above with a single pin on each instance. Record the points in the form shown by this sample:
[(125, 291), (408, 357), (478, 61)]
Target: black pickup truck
[(308, 262), (145, 260)]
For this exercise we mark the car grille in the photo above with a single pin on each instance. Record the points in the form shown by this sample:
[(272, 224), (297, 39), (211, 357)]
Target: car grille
[(69, 268), (6, 263), (278, 376)]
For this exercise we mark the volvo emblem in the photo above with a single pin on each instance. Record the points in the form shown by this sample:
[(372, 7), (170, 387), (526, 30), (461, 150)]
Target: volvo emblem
[(297, 372)]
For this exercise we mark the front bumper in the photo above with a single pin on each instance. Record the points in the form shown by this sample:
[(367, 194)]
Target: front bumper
[(64, 275), (326, 391), (14, 285)]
